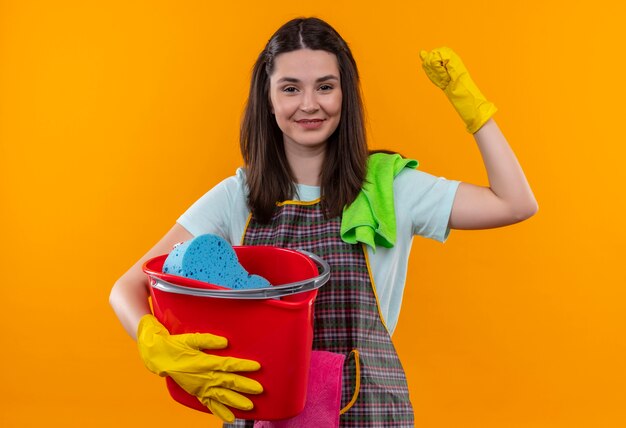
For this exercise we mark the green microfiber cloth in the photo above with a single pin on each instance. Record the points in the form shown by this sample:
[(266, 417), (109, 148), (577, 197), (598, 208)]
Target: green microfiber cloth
[(371, 218)]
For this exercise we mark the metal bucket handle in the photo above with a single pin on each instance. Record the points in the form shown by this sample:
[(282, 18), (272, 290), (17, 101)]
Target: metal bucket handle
[(253, 293)]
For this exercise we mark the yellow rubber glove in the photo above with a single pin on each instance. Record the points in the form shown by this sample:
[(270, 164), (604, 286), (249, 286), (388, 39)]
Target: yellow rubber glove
[(446, 70), (208, 377)]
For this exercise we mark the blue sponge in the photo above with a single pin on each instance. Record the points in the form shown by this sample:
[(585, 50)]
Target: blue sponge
[(211, 259)]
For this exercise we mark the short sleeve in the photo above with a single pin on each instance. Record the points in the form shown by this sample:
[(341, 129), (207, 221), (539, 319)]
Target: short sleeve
[(212, 212), (424, 203)]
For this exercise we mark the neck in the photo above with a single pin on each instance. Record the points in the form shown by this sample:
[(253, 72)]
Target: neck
[(306, 164)]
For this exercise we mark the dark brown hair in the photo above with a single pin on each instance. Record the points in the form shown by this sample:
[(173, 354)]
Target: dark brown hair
[(268, 175)]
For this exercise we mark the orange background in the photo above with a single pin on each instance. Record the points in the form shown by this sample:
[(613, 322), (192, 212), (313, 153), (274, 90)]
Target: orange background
[(116, 116)]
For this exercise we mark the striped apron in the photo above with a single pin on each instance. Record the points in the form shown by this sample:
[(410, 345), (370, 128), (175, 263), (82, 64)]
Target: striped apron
[(347, 317)]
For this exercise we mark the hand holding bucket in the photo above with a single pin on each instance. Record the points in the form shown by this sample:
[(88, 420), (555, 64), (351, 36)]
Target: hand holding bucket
[(210, 378)]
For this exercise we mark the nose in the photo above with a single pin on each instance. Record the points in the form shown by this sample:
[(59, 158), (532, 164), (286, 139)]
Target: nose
[(309, 102)]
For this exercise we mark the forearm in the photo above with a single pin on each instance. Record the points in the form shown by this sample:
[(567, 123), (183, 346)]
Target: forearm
[(129, 296), (506, 177), (129, 303)]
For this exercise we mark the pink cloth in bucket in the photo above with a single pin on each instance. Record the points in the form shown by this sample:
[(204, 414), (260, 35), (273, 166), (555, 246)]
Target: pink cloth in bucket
[(323, 396)]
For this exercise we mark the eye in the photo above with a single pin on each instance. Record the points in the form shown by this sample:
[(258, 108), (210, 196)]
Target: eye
[(326, 87), (290, 89)]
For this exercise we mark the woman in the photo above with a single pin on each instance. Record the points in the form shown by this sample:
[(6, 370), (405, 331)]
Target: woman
[(308, 183)]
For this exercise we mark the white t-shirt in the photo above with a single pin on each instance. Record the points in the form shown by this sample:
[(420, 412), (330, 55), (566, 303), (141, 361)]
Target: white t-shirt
[(422, 202)]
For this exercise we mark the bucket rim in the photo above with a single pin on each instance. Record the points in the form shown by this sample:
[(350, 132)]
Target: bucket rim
[(162, 282)]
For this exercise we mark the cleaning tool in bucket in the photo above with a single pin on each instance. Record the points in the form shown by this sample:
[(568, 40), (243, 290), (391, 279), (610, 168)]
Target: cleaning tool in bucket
[(210, 258), (272, 325)]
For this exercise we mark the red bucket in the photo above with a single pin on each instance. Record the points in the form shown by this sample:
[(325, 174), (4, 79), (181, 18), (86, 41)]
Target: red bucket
[(278, 333)]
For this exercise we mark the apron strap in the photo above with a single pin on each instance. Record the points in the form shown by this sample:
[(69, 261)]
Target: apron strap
[(358, 382)]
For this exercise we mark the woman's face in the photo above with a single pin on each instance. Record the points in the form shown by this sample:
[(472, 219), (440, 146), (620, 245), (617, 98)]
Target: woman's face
[(305, 95)]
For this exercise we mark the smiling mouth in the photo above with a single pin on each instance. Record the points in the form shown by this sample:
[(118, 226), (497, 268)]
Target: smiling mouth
[(311, 124)]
